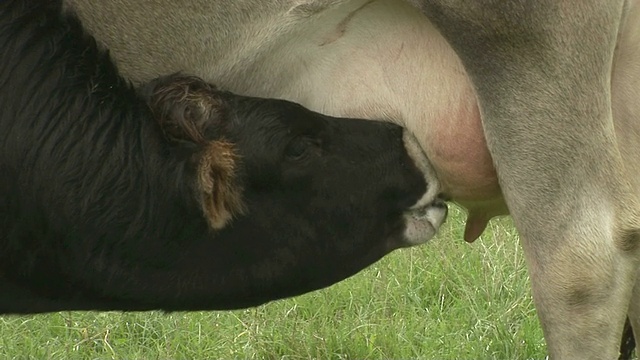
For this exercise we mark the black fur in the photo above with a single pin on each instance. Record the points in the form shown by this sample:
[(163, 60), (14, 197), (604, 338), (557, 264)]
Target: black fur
[(98, 209)]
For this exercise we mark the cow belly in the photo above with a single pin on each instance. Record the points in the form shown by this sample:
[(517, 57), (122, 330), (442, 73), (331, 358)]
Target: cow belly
[(383, 60)]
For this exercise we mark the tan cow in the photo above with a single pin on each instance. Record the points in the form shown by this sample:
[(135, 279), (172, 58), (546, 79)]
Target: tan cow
[(541, 80)]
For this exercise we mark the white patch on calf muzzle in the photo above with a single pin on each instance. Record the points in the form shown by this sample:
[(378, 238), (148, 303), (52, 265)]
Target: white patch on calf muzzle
[(427, 215), (422, 163)]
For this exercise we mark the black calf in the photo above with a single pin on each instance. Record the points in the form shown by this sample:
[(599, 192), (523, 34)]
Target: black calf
[(199, 199)]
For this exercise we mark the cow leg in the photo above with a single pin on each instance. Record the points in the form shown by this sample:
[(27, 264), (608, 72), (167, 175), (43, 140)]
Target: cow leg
[(541, 70), (631, 336), (628, 343)]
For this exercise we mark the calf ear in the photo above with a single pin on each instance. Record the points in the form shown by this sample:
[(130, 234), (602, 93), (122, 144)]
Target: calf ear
[(220, 194), (185, 107)]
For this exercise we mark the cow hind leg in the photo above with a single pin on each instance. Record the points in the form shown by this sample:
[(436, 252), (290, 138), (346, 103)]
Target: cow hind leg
[(628, 343), (541, 70), (631, 334)]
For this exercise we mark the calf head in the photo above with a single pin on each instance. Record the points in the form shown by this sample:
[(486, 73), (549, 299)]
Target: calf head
[(297, 198)]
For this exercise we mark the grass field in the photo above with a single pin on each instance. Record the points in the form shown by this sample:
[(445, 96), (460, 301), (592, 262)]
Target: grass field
[(444, 300)]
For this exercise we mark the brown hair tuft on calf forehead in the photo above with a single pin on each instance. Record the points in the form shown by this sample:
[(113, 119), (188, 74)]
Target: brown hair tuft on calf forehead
[(185, 105)]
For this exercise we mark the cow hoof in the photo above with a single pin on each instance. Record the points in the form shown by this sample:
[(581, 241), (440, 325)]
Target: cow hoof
[(422, 224)]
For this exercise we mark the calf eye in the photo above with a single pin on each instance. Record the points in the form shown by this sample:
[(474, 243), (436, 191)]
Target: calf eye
[(298, 148)]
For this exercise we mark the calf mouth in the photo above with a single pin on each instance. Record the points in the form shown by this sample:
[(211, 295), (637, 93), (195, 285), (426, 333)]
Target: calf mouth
[(422, 223)]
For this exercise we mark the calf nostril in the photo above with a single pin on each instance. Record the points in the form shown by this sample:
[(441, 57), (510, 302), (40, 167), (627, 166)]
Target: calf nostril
[(439, 203)]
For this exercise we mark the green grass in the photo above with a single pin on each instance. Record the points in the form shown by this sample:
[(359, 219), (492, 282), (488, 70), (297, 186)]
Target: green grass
[(444, 300)]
